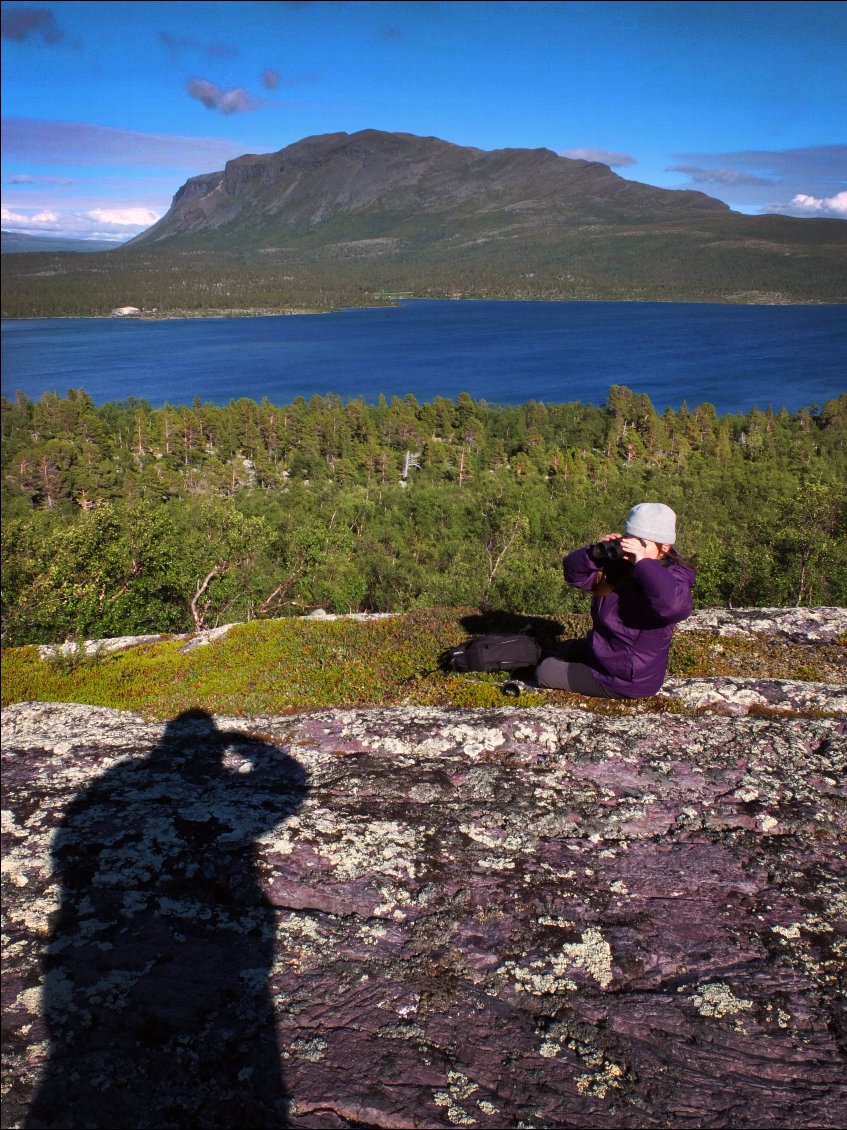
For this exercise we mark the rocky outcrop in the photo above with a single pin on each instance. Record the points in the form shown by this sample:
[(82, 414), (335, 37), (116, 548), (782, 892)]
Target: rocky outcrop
[(725, 695), (194, 639), (423, 918), (801, 625)]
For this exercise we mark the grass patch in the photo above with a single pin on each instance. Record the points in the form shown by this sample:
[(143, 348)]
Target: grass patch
[(281, 666)]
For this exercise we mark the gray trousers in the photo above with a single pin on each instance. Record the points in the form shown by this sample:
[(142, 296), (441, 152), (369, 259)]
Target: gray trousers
[(564, 671)]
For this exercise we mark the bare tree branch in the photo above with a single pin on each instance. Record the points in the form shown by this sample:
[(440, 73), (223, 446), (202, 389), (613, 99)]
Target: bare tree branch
[(197, 614)]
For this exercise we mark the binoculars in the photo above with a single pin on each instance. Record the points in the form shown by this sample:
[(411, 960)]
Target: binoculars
[(611, 551)]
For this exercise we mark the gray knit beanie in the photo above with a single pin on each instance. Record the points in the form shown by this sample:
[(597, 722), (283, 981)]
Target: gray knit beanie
[(652, 521)]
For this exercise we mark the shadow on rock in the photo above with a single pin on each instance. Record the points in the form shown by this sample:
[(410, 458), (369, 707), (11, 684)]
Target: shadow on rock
[(156, 975)]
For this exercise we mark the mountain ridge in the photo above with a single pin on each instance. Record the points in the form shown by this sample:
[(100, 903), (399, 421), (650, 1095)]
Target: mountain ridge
[(401, 175)]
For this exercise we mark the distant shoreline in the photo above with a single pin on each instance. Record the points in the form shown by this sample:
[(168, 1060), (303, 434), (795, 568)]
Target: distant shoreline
[(260, 312), (193, 316)]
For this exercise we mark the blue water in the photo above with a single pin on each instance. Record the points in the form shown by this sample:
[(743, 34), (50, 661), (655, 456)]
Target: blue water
[(735, 357)]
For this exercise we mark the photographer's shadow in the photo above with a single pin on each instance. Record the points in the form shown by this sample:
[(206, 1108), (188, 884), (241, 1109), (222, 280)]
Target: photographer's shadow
[(156, 975)]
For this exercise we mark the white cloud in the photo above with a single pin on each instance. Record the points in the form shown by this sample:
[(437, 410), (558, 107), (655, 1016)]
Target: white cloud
[(604, 156), (125, 217), (829, 205), (19, 220), (113, 224), (804, 204), (109, 236)]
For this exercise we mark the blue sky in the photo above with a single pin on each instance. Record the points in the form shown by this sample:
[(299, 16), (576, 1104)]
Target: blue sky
[(109, 107)]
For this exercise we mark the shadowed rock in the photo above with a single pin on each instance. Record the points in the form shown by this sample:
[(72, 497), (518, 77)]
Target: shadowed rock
[(152, 1000), (531, 917)]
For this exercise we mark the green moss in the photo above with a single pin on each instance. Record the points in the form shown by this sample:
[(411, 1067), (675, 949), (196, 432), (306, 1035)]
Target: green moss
[(701, 654), (280, 666)]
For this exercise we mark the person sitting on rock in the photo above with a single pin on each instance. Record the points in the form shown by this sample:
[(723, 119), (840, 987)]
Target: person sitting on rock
[(641, 589)]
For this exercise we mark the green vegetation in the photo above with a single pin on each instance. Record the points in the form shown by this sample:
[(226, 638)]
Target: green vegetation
[(346, 262), (124, 519), (271, 667), (171, 284)]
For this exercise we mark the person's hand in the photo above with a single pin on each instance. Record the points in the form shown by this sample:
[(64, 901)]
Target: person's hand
[(636, 549), (611, 537)]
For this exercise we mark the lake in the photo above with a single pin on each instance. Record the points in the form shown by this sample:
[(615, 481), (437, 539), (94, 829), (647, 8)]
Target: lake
[(735, 357)]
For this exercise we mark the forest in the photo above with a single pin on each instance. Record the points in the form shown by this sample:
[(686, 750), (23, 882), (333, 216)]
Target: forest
[(208, 274), (124, 518)]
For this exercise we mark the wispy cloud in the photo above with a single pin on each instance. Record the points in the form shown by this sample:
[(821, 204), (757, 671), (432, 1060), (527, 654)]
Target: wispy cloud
[(810, 179), (177, 44), (35, 142), (20, 24), (604, 156), (28, 178), (236, 100), (720, 176), (271, 79), (814, 160)]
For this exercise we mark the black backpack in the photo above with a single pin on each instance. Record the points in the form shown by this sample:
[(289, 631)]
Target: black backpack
[(493, 653)]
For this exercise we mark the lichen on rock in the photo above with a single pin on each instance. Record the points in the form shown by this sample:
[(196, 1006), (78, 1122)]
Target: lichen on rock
[(417, 917)]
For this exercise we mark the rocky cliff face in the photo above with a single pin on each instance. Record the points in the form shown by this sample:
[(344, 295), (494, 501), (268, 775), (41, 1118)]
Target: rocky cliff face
[(423, 918)]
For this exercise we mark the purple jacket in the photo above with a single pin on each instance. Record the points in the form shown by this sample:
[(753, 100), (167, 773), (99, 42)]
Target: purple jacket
[(630, 639)]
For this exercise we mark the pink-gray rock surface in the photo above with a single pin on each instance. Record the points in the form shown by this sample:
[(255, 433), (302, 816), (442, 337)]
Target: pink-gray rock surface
[(423, 918)]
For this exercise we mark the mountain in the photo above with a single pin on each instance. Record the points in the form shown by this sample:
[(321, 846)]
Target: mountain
[(354, 219), (415, 190), (12, 242)]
